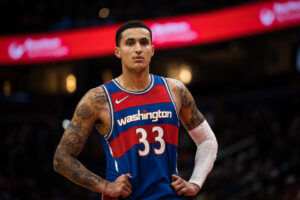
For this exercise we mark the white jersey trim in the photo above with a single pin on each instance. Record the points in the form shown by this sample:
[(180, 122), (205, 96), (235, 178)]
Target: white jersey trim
[(107, 136), (136, 92), (171, 97)]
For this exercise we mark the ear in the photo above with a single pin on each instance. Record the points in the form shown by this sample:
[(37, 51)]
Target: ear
[(117, 52), (152, 48)]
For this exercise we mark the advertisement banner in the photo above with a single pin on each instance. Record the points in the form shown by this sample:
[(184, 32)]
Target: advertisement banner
[(169, 32)]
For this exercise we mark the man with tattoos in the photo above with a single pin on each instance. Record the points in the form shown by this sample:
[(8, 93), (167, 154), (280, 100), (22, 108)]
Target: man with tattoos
[(137, 116)]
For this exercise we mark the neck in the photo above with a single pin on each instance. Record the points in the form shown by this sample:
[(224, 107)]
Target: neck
[(134, 81)]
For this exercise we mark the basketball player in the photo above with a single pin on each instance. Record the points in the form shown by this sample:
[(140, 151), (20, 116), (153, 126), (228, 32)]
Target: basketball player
[(137, 116)]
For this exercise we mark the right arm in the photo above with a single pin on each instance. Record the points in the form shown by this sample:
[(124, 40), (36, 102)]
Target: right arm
[(202, 135), (72, 142)]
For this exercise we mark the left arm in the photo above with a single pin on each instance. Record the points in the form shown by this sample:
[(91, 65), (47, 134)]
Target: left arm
[(202, 135)]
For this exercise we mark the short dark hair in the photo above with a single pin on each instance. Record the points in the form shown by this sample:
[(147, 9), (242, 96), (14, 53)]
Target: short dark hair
[(128, 25)]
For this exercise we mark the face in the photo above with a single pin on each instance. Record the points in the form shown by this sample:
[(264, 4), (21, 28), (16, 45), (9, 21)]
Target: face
[(135, 49)]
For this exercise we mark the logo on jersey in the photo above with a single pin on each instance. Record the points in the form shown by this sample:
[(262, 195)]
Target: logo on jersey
[(119, 101), (154, 116)]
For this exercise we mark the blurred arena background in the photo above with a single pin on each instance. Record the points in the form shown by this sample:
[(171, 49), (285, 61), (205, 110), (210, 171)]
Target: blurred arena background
[(247, 87)]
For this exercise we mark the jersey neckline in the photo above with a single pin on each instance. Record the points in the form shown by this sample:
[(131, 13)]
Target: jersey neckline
[(149, 87)]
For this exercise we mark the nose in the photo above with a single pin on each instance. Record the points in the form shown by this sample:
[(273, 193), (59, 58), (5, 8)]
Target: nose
[(138, 48)]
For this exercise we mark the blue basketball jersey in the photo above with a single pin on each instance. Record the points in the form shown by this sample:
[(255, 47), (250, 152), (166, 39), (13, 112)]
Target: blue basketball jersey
[(143, 138)]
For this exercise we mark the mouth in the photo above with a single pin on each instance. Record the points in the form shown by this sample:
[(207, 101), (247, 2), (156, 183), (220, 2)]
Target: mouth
[(138, 58)]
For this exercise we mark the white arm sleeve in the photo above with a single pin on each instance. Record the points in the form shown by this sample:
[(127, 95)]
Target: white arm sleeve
[(206, 154)]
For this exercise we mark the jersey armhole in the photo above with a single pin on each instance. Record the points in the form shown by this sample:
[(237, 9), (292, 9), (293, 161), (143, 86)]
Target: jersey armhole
[(107, 136), (171, 97)]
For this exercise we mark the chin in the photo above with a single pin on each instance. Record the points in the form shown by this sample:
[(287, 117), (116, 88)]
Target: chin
[(138, 68)]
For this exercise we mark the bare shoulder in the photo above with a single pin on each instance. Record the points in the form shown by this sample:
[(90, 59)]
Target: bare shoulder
[(97, 97), (174, 83), (180, 91), (96, 100), (176, 86), (91, 104)]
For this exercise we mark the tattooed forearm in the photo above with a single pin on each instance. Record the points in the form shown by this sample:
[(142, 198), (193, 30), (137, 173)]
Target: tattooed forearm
[(70, 167), (83, 177), (91, 179)]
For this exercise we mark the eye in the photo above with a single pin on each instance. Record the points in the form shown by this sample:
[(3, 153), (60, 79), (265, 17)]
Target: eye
[(144, 43), (130, 43)]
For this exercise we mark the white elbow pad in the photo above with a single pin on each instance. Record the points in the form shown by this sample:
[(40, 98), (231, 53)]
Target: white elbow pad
[(206, 154)]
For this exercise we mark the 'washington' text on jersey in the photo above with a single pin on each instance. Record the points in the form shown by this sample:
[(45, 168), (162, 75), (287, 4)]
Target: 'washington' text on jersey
[(154, 116)]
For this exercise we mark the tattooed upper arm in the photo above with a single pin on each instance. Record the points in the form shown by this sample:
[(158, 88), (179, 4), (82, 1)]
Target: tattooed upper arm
[(84, 111), (85, 115), (189, 115)]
